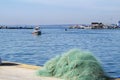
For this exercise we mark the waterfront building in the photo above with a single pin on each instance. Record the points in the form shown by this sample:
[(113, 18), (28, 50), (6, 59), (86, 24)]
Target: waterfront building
[(96, 25)]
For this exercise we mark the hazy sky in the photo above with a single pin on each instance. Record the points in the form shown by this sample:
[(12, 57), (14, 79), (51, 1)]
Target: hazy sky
[(59, 11)]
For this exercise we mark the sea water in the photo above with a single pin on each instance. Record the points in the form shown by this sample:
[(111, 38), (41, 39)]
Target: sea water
[(19, 45)]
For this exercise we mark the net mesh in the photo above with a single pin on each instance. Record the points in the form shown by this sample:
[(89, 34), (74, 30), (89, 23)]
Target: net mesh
[(74, 65)]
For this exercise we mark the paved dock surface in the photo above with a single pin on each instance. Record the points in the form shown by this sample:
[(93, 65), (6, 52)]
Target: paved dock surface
[(21, 72), (16, 71)]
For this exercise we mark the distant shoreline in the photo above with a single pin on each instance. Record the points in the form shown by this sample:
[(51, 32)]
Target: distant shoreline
[(16, 28)]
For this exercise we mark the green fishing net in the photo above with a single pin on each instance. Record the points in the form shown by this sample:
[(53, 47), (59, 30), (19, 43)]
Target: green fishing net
[(74, 65)]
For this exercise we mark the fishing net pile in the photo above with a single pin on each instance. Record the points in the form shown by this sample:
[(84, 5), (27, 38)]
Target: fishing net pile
[(74, 65)]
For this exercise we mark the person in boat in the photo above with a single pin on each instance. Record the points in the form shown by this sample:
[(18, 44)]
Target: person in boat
[(65, 29), (36, 29)]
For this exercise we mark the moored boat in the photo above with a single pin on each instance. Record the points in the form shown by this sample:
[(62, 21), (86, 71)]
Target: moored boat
[(36, 31)]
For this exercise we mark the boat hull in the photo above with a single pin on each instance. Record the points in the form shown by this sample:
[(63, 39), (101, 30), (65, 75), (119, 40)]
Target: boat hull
[(37, 33)]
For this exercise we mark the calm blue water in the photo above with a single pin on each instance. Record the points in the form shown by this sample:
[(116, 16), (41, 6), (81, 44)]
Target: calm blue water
[(21, 46)]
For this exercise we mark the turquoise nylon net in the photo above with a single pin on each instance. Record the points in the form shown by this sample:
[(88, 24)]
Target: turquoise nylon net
[(74, 65)]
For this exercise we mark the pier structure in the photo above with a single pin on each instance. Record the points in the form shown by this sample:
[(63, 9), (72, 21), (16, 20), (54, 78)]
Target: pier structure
[(18, 71)]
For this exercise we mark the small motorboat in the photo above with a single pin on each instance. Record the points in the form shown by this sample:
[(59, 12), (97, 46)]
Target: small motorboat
[(36, 31)]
